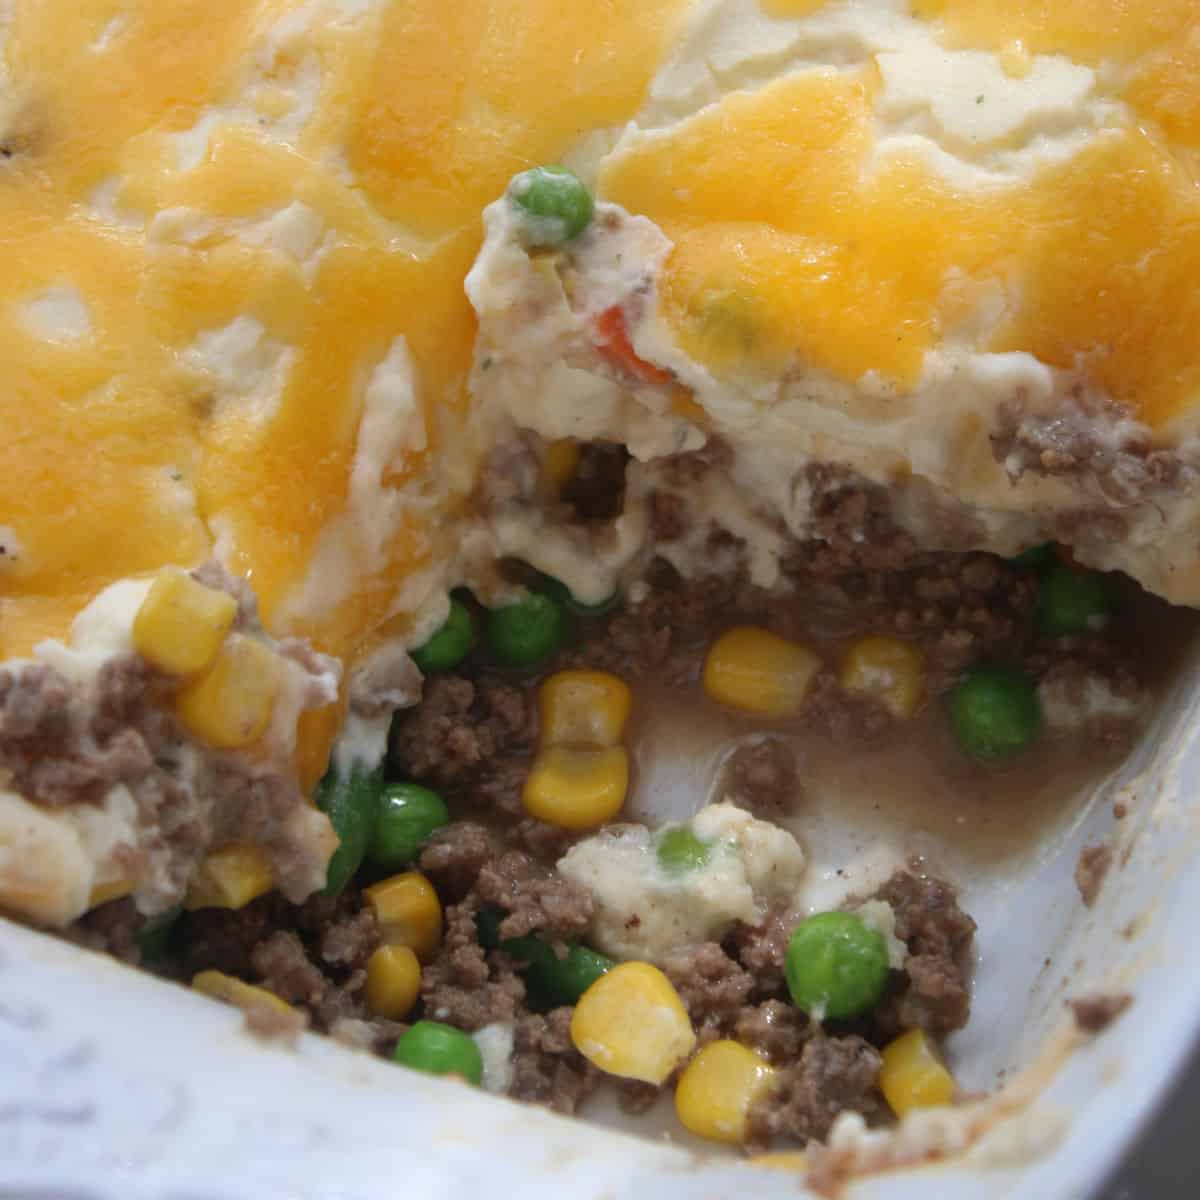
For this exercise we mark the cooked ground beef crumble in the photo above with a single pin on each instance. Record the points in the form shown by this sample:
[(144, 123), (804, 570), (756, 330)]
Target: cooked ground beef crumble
[(1095, 1013), (473, 738)]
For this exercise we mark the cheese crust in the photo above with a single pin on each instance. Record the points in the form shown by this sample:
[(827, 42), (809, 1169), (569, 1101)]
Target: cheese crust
[(265, 300)]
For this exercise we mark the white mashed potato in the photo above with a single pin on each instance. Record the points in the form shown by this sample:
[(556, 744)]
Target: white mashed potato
[(643, 910)]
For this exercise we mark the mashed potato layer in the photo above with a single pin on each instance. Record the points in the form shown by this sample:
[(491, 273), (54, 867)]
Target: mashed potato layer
[(264, 300)]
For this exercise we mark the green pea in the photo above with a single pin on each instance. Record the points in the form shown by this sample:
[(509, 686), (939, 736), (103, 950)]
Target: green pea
[(450, 645), (995, 713), (536, 963), (351, 801), (836, 966), (439, 1049), (571, 976), (408, 816), (559, 591), (529, 950), (154, 937), (1035, 556), (681, 851), (1071, 601), (557, 200), (528, 632), (552, 981), (563, 980)]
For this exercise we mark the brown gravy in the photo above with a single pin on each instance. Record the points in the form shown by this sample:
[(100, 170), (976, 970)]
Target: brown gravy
[(912, 787)]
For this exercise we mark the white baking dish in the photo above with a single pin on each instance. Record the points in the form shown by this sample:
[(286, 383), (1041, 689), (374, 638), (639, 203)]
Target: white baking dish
[(114, 1085)]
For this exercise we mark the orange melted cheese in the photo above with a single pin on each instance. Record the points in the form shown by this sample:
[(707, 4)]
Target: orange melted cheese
[(464, 95), (403, 118), (114, 459), (789, 234)]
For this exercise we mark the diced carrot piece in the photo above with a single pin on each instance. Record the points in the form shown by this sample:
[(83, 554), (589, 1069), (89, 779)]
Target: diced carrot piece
[(615, 345)]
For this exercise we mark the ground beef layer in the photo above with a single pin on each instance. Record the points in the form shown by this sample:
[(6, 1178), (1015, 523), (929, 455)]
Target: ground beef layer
[(473, 738)]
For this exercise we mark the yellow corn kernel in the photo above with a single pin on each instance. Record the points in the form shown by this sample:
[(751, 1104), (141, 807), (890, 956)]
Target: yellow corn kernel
[(632, 1023), (889, 669), (757, 672), (408, 911), (583, 708), (181, 623), (783, 1160), (230, 878), (230, 707), (717, 1088), (577, 789), (114, 889), (562, 461), (393, 982), (234, 991), (912, 1075)]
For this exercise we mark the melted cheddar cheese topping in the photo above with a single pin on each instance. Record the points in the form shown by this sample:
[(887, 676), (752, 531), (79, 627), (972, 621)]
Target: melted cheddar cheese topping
[(219, 219), (228, 225), (798, 229)]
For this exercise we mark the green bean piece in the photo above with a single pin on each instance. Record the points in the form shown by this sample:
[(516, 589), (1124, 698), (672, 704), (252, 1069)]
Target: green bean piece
[(351, 801)]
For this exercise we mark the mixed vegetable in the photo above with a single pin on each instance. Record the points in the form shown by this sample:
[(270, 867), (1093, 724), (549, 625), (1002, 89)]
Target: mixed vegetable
[(836, 965), (995, 713), (628, 1019), (452, 642), (528, 632), (556, 203), (439, 1049), (553, 979), (408, 816), (680, 851), (350, 800), (1072, 601)]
